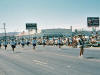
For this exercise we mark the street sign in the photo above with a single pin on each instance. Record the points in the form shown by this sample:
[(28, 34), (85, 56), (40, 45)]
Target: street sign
[(93, 21), (30, 26)]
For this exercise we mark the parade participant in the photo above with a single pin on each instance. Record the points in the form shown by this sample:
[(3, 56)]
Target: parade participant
[(23, 43), (13, 45), (5, 43), (19, 42), (28, 42), (81, 43), (16, 43), (34, 42), (59, 42)]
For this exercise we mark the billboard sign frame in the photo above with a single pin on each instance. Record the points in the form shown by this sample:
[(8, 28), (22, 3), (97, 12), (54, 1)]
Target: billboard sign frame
[(30, 26), (93, 21)]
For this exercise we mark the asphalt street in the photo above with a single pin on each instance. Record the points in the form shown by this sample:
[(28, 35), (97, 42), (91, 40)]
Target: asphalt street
[(49, 60)]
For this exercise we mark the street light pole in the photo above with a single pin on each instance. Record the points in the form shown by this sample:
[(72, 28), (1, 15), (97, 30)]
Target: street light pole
[(5, 30)]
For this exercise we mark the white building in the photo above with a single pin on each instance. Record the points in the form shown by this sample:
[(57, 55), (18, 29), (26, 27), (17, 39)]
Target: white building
[(56, 32)]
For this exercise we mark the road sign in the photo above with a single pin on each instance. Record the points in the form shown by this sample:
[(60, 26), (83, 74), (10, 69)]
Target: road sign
[(93, 21), (30, 26)]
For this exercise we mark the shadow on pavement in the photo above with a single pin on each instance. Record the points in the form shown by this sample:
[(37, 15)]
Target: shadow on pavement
[(92, 57), (18, 52)]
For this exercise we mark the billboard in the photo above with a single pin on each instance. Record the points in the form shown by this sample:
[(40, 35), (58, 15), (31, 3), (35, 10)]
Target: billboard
[(93, 21), (31, 26)]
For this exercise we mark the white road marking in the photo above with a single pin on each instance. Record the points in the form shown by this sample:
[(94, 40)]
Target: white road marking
[(44, 64), (68, 66), (37, 61)]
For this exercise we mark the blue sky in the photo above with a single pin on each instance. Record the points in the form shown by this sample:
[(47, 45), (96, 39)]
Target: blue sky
[(47, 13)]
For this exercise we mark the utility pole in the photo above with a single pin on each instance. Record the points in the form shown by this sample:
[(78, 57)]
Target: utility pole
[(5, 30)]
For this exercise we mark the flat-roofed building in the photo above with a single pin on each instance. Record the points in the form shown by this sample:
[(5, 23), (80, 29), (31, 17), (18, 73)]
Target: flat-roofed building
[(56, 32)]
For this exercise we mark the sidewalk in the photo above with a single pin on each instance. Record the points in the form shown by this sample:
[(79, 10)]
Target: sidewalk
[(94, 48), (90, 48)]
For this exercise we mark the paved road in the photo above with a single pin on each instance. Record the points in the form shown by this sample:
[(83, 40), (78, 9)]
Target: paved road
[(49, 60)]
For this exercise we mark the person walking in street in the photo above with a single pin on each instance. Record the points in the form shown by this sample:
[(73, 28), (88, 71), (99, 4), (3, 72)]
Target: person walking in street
[(22, 43), (13, 45), (5, 43), (34, 43), (59, 42), (19, 42), (81, 43)]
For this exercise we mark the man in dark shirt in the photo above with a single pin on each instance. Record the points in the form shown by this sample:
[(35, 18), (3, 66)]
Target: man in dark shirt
[(81, 42)]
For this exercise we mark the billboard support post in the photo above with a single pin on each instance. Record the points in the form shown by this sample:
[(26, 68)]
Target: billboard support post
[(31, 26), (94, 23)]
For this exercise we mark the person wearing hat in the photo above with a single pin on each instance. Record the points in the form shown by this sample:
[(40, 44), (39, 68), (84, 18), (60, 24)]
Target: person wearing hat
[(27, 42)]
